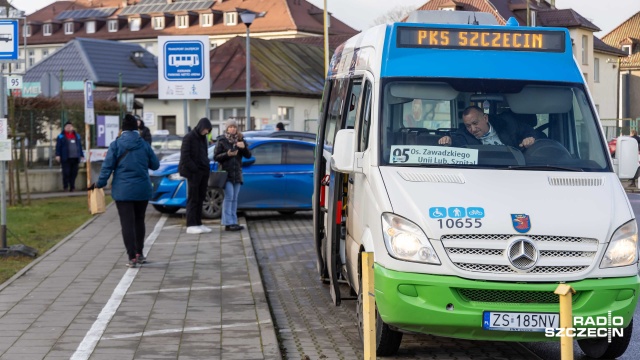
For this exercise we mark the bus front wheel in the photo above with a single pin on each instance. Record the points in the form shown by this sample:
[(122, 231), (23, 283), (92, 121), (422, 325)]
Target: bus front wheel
[(387, 340), (601, 348)]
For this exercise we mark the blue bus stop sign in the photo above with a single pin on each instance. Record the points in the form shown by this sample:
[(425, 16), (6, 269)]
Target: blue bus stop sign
[(9, 39), (184, 60)]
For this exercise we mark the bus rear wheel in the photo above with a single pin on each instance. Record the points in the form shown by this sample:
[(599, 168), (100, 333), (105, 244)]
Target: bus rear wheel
[(601, 348), (387, 340)]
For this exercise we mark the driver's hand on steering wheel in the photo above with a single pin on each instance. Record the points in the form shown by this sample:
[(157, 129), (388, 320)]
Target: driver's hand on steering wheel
[(445, 140), (527, 142)]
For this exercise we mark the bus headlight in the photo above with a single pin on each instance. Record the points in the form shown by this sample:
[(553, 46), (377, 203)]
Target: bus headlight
[(406, 241), (175, 177), (623, 247)]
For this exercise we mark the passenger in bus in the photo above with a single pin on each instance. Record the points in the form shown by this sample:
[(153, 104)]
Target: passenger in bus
[(477, 130), (415, 118)]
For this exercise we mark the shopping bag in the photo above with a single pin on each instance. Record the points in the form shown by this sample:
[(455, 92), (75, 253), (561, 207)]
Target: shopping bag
[(96, 201), (217, 179)]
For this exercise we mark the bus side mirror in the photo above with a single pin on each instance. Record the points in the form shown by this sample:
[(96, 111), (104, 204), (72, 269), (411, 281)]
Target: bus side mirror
[(626, 161), (343, 151)]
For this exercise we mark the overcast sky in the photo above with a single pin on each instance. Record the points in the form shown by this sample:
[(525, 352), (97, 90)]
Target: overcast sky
[(360, 14)]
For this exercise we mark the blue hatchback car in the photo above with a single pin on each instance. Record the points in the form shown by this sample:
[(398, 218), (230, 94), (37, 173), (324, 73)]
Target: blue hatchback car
[(278, 176)]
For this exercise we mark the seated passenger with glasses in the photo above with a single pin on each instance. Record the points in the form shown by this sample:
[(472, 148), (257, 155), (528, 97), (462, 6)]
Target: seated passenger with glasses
[(478, 130)]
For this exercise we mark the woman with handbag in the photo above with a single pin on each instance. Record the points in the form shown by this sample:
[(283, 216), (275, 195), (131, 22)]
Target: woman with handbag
[(230, 148), (129, 158)]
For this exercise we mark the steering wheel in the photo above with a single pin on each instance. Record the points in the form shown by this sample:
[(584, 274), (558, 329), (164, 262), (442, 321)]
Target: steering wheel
[(546, 149)]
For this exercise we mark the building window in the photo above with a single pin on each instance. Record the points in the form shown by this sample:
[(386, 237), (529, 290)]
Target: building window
[(18, 64), (68, 28), (598, 109), (285, 113), (627, 49), (134, 24), (158, 22), (113, 25), (27, 30), (32, 58), (90, 26), (586, 77), (182, 21), (585, 52), (206, 20), (231, 18), (447, 9), (46, 30), (45, 53), (596, 70)]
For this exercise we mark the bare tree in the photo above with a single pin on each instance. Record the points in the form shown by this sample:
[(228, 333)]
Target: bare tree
[(394, 15)]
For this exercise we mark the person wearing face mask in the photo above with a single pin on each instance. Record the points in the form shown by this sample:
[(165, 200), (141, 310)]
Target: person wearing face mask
[(478, 130), (69, 154), (230, 148)]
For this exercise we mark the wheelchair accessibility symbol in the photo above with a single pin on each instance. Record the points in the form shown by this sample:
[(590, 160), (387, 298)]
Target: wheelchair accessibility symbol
[(437, 212)]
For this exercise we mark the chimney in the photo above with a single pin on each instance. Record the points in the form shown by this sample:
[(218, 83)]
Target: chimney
[(553, 4)]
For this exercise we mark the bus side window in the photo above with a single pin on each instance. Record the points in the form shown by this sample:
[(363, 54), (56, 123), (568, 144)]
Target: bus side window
[(336, 107), (365, 118), (354, 100)]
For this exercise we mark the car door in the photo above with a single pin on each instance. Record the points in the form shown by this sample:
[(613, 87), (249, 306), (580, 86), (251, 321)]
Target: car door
[(264, 180), (299, 160)]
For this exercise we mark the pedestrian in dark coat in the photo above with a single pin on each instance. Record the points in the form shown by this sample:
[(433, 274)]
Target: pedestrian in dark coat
[(194, 166), (145, 133), (69, 154), (230, 148), (129, 159)]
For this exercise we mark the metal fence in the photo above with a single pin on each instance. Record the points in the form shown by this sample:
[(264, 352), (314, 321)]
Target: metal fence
[(616, 127)]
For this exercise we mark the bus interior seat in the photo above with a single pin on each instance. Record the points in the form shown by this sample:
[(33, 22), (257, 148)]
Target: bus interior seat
[(528, 119)]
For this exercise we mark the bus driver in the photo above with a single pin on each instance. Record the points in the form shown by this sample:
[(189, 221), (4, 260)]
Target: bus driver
[(479, 131)]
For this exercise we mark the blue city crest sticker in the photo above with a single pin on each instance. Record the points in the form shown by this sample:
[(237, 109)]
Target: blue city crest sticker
[(521, 223)]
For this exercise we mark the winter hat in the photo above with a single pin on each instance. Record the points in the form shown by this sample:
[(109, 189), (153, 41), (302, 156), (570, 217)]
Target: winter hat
[(129, 123), (68, 123), (231, 122)]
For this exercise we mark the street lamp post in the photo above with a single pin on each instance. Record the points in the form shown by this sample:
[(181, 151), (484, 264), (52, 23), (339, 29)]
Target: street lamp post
[(247, 18)]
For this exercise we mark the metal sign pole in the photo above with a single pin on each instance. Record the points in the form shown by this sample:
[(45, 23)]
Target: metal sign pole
[(3, 174)]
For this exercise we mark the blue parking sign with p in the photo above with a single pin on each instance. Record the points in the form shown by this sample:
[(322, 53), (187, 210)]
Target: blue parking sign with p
[(184, 60)]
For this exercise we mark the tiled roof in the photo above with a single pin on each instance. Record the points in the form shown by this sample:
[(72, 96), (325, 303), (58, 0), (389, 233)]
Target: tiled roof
[(599, 45), (99, 60), (504, 9), (564, 18), (304, 64), (628, 29), (334, 40), (281, 16), (467, 5)]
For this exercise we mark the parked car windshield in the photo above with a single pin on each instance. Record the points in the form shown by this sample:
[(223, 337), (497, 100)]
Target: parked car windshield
[(417, 115)]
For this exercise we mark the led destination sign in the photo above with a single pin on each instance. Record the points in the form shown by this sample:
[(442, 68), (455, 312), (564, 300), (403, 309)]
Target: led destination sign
[(521, 40)]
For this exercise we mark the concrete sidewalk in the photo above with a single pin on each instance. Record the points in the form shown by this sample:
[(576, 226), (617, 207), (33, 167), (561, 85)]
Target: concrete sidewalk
[(198, 297)]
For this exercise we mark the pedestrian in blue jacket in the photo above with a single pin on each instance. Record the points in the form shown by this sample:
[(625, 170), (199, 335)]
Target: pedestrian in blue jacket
[(129, 159), (69, 154)]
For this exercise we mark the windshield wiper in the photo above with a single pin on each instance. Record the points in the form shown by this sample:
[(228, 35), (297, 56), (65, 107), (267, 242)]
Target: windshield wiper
[(544, 167)]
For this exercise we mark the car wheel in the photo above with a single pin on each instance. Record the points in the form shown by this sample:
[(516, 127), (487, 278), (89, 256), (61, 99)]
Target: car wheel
[(601, 348), (287, 212), (166, 209), (212, 205)]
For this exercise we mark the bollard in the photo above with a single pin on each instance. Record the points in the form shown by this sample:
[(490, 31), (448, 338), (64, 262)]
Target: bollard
[(565, 293), (368, 307)]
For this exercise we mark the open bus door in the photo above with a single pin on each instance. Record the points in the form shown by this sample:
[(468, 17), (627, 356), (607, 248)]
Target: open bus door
[(333, 235)]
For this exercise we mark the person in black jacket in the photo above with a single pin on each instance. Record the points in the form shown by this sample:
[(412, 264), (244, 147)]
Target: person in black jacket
[(230, 148), (144, 131), (477, 130), (194, 166)]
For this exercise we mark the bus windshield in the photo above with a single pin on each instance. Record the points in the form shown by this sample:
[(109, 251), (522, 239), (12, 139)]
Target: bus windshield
[(510, 124)]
